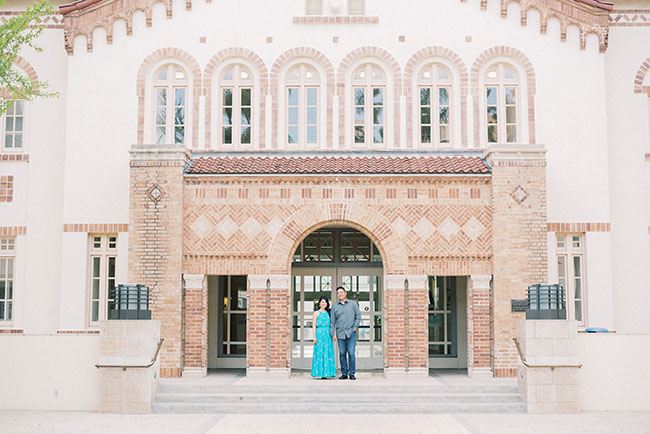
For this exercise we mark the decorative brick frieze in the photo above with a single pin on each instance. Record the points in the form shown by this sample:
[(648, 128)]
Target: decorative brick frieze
[(522, 60), (629, 18), (14, 157), (155, 241), (260, 73), (13, 230), (578, 227), (393, 73), (98, 228), (640, 78), (588, 18), (49, 22), (311, 19), (173, 54), (310, 55), (11, 331), (77, 332), (419, 59), (6, 188)]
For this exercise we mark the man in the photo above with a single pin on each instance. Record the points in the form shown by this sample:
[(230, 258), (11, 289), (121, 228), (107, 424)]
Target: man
[(346, 318)]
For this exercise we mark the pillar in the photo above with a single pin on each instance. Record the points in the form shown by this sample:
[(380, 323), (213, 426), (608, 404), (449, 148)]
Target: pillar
[(196, 325), (478, 326)]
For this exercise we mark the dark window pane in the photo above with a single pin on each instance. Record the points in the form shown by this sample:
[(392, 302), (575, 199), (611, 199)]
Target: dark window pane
[(425, 96), (492, 134), (378, 135), (246, 135), (227, 97), (425, 115), (444, 96), (492, 114), (425, 134), (359, 96), (227, 135), (359, 135), (246, 97), (378, 96)]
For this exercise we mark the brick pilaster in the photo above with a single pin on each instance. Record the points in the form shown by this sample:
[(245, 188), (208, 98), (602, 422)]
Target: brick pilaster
[(519, 240), (196, 325), (417, 314), (155, 240), (395, 335), (479, 333)]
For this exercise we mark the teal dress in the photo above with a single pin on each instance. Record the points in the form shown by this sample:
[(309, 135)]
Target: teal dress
[(322, 365)]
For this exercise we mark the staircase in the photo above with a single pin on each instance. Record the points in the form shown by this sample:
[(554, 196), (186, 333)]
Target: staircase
[(338, 398)]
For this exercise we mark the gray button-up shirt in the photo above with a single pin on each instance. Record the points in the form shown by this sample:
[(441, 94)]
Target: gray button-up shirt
[(345, 319)]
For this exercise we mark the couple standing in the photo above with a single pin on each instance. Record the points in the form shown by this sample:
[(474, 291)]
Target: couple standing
[(341, 327)]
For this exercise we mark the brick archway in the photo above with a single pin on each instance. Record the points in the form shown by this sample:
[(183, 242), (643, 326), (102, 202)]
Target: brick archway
[(640, 77), (357, 216)]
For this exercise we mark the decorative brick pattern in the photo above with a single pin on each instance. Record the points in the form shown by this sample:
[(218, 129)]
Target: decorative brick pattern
[(578, 227), (6, 188), (311, 19), (260, 72), (640, 78), (77, 332), (629, 18), (98, 228), (310, 55), (14, 157), (394, 70), (427, 55), (11, 331), (13, 230), (588, 18), (178, 55), (518, 57), (49, 22)]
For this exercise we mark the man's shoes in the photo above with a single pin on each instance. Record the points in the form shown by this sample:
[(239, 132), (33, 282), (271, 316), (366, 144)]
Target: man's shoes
[(352, 377), (344, 377)]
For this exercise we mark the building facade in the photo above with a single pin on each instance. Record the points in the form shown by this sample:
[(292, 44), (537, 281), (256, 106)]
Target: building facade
[(241, 160)]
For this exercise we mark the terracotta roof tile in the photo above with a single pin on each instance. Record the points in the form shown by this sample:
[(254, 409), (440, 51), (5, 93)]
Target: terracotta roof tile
[(338, 165)]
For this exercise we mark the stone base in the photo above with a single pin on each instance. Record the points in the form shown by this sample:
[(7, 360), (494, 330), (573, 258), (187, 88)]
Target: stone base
[(268, 373), (402, 373), (479, 372), (195, 372)]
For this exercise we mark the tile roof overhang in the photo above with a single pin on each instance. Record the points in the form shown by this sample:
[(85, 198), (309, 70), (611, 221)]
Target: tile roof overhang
[(340, 164)]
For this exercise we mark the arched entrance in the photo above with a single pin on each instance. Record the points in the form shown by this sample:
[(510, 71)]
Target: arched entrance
[(327, 258)]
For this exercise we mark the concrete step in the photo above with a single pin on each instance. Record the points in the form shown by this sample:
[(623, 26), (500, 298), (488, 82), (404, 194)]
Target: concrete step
[(290, 407), (333, 398)]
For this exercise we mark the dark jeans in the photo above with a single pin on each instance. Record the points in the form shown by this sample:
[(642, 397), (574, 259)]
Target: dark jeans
[(346, 353)]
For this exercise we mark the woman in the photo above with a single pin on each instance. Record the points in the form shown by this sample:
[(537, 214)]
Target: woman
[(322, 364)]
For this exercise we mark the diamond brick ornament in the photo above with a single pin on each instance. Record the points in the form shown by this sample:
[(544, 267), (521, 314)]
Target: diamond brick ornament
[(155, 193), (519, 195)]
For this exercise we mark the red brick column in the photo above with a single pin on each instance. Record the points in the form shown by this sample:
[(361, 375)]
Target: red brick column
[(268, 326), (519, 240), (196, 325), (418, 336), (478, 326), (155, 240)]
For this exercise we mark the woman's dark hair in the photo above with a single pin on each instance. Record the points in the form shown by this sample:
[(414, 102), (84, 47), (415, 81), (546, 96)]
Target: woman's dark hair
[(328, 303)]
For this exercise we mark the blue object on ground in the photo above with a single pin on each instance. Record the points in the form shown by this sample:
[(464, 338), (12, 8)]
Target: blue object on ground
[(596, 330)]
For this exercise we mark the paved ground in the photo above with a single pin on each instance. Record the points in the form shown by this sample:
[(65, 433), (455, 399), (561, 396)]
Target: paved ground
[(49, 422), (15, 422)]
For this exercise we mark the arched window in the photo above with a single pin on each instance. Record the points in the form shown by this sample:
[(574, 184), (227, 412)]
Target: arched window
[(435, 86), (501, 103), (236, 105), (170, 93), (368, 104), (302, 83)]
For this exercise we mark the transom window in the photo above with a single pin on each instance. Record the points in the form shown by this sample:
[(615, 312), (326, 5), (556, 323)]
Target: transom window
[(14, 119), (356, 7), (571, 274), (236, 105), (501, 96), (435, 104), (7, 267), (368, 98), (170, 88), (334, 245), (302, 105), (102, 279)]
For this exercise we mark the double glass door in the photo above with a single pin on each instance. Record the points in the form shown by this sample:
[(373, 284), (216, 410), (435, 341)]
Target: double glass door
[(363, 285)]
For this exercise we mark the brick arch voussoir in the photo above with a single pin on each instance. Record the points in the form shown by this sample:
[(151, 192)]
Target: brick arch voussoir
[(23, 64), (350, 214), (261, 71), (640, 77), (197, 85)]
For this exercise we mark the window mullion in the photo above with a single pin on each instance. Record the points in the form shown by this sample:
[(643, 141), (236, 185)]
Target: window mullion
[(369, 114), (236, 111)]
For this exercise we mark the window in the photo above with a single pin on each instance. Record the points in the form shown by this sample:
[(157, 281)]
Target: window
[(170, 90), (302, 105), (356, 7), (314, 7), (434, 84), (570, 273), (232, 336), (7, 267), (13, 122), (368, 97), (103, 261), (501, 96), (236, 105)]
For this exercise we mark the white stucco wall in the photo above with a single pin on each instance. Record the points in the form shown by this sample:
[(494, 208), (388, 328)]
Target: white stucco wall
[(49, 372)]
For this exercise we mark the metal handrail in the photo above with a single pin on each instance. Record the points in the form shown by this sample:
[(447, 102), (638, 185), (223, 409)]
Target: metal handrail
[(153, 360), (528, 365)]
